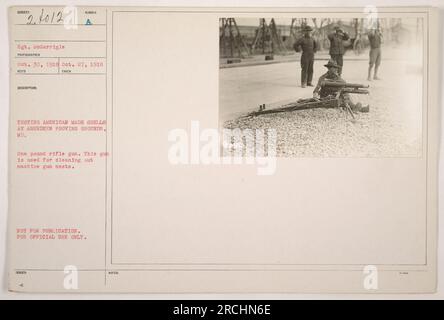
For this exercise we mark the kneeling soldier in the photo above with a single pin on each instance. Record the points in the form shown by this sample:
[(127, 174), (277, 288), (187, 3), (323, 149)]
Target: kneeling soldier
[(332, 74)]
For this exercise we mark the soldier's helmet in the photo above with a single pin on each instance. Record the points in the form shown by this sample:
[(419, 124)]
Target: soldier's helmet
[(307, 28), (331, 64)]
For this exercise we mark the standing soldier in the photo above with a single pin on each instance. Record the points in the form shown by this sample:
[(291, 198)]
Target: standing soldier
[(337, 49), (309, 47), (375, 38)]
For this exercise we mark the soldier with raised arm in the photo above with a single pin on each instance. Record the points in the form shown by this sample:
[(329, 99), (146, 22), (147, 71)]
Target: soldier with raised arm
[(375, 39), (337, 49)]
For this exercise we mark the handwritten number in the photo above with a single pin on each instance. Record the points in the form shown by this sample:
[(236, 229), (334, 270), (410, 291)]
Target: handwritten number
[(30, 18), (46, 18)]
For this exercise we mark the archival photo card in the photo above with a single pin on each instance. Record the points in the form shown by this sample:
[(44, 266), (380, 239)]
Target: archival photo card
[(225, 150)]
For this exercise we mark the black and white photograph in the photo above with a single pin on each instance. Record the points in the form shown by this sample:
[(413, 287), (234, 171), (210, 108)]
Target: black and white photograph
[(330, 87)]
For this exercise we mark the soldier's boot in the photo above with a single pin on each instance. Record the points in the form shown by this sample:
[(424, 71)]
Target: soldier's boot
[(357, 107), (365, 109), (375, 75)]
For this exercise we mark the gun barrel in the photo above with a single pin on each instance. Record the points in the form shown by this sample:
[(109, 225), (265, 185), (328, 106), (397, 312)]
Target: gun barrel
[(341, 84), (356, 85), (355, 90)]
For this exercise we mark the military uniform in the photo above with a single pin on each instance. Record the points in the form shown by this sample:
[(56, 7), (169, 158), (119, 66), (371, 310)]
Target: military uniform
[(309, 47), (337, 49), (325, 91), (375, 39)]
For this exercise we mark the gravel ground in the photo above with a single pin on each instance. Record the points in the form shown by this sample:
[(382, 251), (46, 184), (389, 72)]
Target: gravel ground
[(386, 131)]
